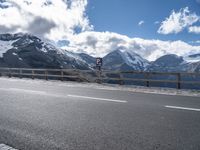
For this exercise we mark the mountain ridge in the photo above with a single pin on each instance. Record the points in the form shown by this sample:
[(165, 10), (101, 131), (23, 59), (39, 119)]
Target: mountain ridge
[(25, 50)]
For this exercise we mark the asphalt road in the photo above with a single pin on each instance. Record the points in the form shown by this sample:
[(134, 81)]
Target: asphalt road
[(39, 115)]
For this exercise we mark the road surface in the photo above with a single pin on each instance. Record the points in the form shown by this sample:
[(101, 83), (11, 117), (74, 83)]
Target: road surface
[(40, 115)]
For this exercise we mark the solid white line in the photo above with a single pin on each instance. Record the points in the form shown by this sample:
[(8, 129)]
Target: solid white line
[(6, 147), (99, 99), (183, 108)]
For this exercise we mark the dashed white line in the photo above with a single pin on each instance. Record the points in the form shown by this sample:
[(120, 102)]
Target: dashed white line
[(183, 108), (27, 91), (62, 96), (99, 99), (6, 147), (22, 90)]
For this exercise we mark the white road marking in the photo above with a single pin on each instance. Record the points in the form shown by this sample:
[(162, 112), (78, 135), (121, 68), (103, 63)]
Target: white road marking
[(61, 96), (22, 90), (27, 91), (99, 99), (6, 147), (43, 93), (183, 108)]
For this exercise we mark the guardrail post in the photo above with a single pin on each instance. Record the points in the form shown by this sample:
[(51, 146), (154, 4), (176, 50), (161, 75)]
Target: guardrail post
[(61, 73), (178, 81), (33, 74), (98, 73), (121, 79), (10, 74), (20, 73), (147, 79), (99, 77), (78, 75), (46, 74)]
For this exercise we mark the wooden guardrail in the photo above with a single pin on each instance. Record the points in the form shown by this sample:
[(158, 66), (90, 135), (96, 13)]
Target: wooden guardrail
[(62, 74), (149, 77), (121, 77)]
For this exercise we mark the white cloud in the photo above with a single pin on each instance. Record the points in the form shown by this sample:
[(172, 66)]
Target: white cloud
[(101, 43), (141, 23), (53, 19), (178, 21), (157, 22), (194, 29), (65, 20), (195, 42)]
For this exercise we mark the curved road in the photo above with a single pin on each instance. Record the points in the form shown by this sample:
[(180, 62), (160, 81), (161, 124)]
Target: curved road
[(39, 115)]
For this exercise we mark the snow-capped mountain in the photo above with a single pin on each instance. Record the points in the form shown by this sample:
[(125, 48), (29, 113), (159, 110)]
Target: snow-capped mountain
[(168, 63), (88, 59), (174, 63), (24, 50), (28, 51), (193, 67), (124, 60)]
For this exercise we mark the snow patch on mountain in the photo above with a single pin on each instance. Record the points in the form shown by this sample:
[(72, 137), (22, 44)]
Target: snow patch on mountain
[(25, 50), (132, 58), (5, 45), (122, 59)]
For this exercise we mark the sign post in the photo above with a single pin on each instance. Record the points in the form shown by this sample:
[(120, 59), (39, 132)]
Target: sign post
[(99, 63)]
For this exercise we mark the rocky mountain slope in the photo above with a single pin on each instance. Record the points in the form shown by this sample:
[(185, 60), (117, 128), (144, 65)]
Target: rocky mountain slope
[(121, 59), (28, 51), (24, 50)]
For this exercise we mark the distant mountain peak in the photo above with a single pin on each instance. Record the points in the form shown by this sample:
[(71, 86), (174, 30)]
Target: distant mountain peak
[(170, 60), (168, 63), (26, 50), (125, 59)]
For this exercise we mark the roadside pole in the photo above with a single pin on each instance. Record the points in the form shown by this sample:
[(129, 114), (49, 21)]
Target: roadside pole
[(99, 63)]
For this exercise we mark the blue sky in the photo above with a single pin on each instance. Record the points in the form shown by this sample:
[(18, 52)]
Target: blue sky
[(150, 28), (123, 16)]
